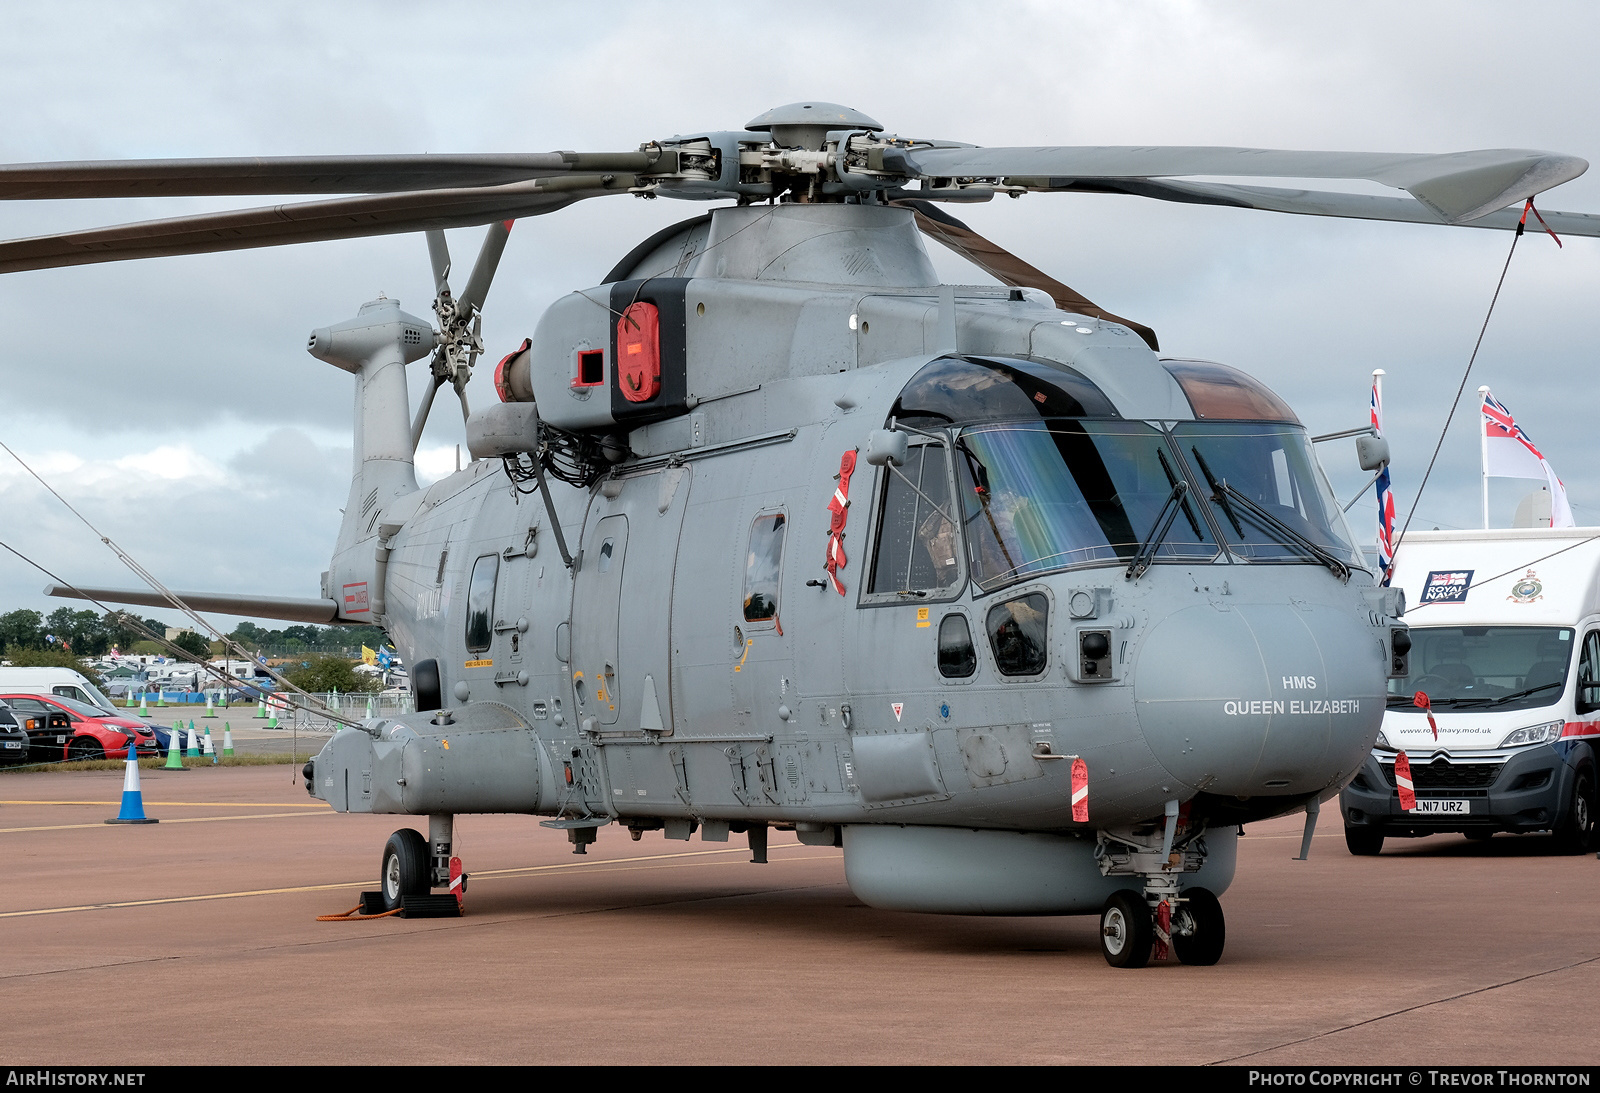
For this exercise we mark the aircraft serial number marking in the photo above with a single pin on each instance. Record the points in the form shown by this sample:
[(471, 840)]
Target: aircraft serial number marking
[(1246, 708)]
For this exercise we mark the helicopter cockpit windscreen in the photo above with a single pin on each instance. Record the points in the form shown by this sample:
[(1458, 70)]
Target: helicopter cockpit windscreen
[(1266, 490), (1044, 495)]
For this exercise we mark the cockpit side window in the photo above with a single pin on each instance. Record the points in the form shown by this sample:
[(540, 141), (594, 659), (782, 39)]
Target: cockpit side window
[(480, 602), (1019, 634), (916, 549)]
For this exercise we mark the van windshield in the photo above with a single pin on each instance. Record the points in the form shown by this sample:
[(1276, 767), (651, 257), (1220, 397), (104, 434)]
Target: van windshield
[(1486, 667)]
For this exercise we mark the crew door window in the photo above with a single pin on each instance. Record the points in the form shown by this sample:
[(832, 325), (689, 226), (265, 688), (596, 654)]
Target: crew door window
[(763, 567), (480, 603)]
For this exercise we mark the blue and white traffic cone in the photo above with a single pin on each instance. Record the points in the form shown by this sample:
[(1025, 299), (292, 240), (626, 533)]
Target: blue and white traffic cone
[(132, 798)]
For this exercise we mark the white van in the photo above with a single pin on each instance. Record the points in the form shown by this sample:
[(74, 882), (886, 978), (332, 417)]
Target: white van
[(1505, 643), (53, 681)]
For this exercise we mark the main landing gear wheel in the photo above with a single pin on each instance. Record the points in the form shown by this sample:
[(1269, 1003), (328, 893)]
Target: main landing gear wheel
[(1198, 929), (1126, 930), (1575, 831), (1364, 842), (405, 867)]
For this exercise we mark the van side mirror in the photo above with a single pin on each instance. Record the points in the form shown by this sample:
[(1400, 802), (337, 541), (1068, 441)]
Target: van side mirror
[(1373, 452)]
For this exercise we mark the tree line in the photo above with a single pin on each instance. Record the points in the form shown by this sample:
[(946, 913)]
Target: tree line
[(88, 633)]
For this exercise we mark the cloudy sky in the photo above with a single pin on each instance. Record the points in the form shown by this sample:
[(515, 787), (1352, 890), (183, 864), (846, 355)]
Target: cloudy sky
[(172, 401)]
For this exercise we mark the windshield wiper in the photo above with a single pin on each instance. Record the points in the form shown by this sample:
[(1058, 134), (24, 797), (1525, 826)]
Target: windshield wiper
[(1164, 518), (1529, 691), (1223, 492)]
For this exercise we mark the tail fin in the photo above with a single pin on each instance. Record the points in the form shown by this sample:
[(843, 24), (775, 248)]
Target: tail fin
[(376, 346)]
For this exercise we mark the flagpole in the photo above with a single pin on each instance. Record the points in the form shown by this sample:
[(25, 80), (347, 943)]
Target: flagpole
[(1483, 454)]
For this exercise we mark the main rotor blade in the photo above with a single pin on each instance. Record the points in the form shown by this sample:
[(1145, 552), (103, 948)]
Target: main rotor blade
[(1324, 203), (1458, 186), (439, 258), (258, 607), (494, 244), (297, 174), (1006, 267), (277, 225)]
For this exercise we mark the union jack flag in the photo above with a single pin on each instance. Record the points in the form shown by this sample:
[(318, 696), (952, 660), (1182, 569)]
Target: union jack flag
[(1385, 496), (1509, 452)]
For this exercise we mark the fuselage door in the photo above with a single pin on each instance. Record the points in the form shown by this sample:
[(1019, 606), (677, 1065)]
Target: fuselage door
[(596, 601)]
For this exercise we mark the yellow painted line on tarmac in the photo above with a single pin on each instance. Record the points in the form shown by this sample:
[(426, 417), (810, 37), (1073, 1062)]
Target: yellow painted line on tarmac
[(166, 820), (184, 804), (369, 884)]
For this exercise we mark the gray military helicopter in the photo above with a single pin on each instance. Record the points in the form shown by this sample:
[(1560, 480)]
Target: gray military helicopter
[(773, 530)]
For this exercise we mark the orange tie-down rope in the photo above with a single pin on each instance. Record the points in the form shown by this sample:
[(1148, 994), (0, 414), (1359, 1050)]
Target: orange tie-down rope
[(351, 916)]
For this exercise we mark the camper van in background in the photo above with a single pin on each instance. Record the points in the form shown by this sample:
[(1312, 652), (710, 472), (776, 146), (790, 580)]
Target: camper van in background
[(1505, 644), (62, 682)]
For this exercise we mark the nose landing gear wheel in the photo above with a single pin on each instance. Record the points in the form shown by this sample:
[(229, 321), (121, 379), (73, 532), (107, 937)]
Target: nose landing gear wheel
[(405, 867), (1199, 931), (1126, 931)]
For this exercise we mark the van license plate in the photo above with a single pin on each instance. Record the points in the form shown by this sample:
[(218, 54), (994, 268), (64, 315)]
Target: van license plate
[(1448, 807)]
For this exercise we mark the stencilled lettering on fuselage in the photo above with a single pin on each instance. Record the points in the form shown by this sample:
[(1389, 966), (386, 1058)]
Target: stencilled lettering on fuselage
[(1299, 683), (1292, 707)]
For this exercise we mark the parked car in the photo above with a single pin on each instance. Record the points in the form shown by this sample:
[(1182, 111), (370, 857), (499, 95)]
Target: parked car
[(89, 733), (13, 738)]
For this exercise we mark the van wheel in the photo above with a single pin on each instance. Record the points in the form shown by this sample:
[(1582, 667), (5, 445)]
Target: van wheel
[(1575, 830), (1364, 842)]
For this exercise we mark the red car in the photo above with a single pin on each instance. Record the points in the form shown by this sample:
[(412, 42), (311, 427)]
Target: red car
[(91, 734)]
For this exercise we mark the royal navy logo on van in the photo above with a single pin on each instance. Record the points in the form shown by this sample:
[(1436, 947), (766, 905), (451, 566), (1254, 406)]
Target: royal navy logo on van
[(1447, 586), (1528, 589)]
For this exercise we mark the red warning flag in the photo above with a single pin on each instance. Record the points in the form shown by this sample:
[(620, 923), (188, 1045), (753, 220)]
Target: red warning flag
[(1163, 930), (1420, 700), (458, 882), (838, 509), (1080, 791), (1402, 779)]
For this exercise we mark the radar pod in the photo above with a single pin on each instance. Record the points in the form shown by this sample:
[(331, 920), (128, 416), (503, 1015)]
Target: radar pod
[(132, 798)]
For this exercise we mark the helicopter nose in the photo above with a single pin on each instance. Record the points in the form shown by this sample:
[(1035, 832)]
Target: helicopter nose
[(1251, 699)]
